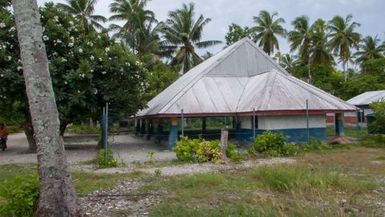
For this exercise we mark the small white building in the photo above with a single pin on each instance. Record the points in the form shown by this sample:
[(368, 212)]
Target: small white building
[(244, 83), (363, 101)]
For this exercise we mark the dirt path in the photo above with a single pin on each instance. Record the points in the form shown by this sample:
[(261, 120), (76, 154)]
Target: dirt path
[(127, 148)]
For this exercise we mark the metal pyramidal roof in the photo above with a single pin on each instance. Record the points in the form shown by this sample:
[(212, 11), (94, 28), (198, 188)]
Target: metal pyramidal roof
[(368, 97), (238, 80)]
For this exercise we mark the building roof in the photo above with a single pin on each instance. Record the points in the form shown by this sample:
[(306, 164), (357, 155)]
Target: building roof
[(368, 97), (238, 80)]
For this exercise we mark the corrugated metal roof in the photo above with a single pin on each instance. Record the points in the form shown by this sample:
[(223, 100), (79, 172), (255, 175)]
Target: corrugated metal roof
[(368, 97), (239, 79)]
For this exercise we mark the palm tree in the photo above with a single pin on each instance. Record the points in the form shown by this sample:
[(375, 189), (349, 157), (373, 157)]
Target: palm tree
[(288, 62), (300, 39), (369, 49), (267, 29), (138, 26), (319, 50), (182, 34), (84, 11), (57, 196), (342, 38)]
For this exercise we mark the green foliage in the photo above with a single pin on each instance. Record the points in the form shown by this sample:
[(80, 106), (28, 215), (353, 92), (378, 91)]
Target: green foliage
[(111, 160), (268, 27), (20, 195), (373, 141), (236, 33), (379, 114), (150, 155), (183, 32), (85, 66), (208, 151), (289, 178), (185, 149), (200, 150), (158, 173), (160, 77), (82, 129), (314, 145), (275, 145), (233, 154), (270, 144)]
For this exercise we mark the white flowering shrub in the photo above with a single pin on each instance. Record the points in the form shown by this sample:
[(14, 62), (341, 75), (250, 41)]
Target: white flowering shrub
[(87, 68)]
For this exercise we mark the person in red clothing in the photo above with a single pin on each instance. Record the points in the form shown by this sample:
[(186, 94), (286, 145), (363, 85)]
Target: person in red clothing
[(3, 136)]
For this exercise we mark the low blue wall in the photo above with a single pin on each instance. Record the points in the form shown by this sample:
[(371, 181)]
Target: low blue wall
[(294, 135)]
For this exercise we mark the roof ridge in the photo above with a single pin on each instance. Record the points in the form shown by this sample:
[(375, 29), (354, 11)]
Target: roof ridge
[(269, 58), (200, 75)]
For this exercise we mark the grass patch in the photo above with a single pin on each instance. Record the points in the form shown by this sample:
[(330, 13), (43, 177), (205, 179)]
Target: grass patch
[(10, 171), (85, 182), (339, 182), (90, 182), (309, 179)]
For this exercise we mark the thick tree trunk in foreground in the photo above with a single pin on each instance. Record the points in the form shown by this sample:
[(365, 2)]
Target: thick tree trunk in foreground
[(57, 194)]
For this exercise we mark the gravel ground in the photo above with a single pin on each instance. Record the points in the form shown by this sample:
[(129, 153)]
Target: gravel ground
[(121, 201), (209, 167), (127, 148), (126, 201)]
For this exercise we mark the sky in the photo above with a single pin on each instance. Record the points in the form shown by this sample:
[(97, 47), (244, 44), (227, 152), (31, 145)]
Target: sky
[(369, 13)]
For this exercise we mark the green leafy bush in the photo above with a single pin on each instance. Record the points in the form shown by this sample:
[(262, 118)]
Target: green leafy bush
[(271, 144), (233, 154), (200, 150), (111, 160), (20, 196), (276, 145), (379, 113), (208, 151), (185, 149)]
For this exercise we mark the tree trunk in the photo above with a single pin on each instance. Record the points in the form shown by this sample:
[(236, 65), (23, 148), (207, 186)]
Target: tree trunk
[(28, 130), (63, 127), (57, 194), (309, 78)]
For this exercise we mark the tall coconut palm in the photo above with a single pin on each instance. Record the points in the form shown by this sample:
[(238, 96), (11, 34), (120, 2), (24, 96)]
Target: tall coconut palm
[(84, 11), (57, 195), (319, 51), (182, 34), (370, 48), (300, 39), (137, 22), (268, 27), (342, 38)]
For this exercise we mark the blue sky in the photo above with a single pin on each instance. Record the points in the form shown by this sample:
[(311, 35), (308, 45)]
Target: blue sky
[(369, 13)]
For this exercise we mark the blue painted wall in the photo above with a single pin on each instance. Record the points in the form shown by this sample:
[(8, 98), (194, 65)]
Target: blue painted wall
[(173, 137), (294, 135)]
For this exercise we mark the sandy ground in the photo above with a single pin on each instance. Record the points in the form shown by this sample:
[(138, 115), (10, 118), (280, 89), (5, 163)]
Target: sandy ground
[(128, 149)]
